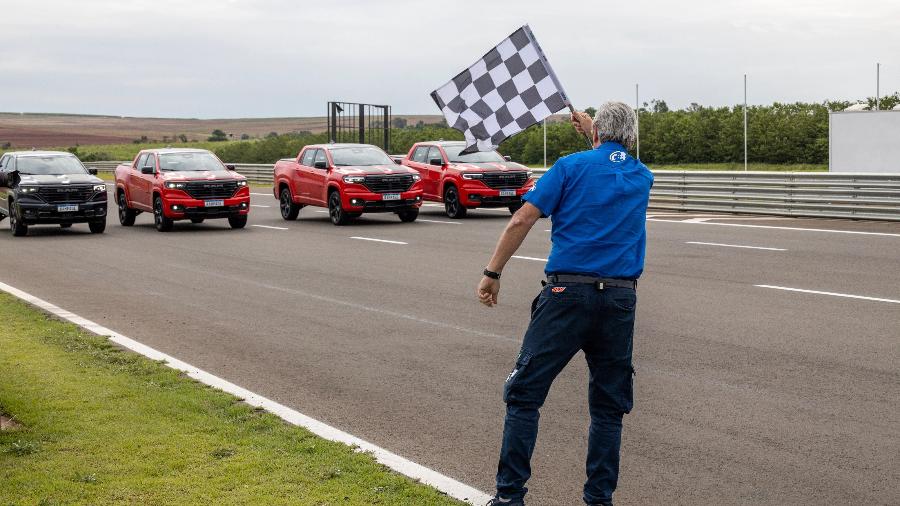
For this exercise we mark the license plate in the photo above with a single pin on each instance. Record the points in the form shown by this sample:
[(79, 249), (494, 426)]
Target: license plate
[(391, 196), (213, 203), (71, 208), (507, 193)]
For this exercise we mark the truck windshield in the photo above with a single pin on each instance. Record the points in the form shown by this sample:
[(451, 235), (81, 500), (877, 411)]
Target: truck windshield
[(479, 157), (49, 165), (176, 162), (359, 156)]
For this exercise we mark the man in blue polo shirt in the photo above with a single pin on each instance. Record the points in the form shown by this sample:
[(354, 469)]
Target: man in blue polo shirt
[(597, 201)]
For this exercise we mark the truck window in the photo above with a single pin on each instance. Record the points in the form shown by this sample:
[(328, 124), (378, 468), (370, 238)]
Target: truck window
[(433, 153), (3, 163), (419, 154), (150, 161), (307, 159), (320, 156), (140, 161)]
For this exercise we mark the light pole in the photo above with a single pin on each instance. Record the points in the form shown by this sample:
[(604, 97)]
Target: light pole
[(745, 122), (637, 113), (877, 86)]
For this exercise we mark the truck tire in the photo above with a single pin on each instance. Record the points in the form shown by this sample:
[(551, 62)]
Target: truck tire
[(408, 215), (515, 207), (289, 210), (65, 225), (336, 211), (162, 223), (239, 221), (452, 205), (18, 228), (126, 214), (97, 227)]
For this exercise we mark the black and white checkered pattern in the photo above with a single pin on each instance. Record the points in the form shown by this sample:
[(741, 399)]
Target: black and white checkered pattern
[(509, 89)]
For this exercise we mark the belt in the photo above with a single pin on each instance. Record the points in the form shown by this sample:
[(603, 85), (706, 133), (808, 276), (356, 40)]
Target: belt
[(600, 283)]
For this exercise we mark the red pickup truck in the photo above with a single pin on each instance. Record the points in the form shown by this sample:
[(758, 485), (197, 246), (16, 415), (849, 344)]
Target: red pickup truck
[(348, 179), (463, 182), (181, 184)]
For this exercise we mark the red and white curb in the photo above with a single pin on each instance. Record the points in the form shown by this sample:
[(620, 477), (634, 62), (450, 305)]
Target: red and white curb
[(395, 462)]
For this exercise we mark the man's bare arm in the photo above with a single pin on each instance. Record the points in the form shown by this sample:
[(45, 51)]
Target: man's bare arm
[(510, 240)]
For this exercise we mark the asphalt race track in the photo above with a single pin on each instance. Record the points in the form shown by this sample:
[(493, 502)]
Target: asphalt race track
[(744, 394)]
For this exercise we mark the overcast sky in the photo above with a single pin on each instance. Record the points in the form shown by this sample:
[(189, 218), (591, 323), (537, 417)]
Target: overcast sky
[(259, 58)]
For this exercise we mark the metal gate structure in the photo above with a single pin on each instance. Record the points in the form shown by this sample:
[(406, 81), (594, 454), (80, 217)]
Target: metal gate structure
[(362, 123)]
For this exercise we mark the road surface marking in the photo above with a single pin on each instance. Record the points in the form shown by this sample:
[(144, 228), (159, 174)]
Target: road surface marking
[(734, 246), (438, 221), (696, 220), (271, 228), (377, 240), (403, 466), (846, 295), (257, 205), (530, 258), (265, 194), (772, 227)]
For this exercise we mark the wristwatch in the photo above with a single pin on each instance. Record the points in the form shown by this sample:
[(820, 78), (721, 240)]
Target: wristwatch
[(492, 274)]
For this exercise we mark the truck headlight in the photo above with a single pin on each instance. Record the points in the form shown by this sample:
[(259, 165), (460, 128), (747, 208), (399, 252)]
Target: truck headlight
[(472, 175), (99, 187), (242, 182), (355, 179), (174, 185), (28, 189), (416, 177)]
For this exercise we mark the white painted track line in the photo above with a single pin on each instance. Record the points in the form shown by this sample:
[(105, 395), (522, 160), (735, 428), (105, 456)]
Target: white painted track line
[(772, 227), (734, 246), (833, 294), (270, 228), (257, 205), (530, 258), (378, 240), (441, 222), (263, 194), (397, 463)]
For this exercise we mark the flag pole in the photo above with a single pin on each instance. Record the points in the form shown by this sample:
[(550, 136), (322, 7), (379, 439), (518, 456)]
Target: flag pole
[(585, 134)]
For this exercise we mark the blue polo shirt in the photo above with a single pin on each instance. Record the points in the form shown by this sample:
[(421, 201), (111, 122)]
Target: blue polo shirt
[(597, 201)]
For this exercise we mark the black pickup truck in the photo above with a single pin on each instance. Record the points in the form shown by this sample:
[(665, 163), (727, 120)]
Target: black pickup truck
[(50, 188)]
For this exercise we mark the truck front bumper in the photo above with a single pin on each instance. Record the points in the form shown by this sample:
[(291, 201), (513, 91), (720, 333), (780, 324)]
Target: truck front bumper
[(41, 213), (484, 196), (370, 202), (182, 209)]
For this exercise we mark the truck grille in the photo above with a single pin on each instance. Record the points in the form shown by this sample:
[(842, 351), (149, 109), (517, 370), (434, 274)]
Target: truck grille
[(211, 189), (59, 194), (389, 183), (505, 180)]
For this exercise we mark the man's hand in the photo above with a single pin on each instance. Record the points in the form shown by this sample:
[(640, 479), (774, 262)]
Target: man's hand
[(582, 122), (488, 290)]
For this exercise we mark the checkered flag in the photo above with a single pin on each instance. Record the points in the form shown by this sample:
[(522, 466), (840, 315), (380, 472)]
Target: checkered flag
[(509, 89)]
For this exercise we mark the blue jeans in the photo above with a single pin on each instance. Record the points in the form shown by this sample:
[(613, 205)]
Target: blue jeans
[(565, 318)]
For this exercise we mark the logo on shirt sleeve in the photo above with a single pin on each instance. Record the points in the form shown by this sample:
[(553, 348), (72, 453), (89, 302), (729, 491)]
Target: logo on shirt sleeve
[(618, 156)]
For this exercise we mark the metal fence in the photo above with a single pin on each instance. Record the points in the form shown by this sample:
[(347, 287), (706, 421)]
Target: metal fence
[(805, 194)]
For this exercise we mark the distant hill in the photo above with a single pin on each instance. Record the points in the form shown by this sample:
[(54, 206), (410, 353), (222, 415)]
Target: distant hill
[(51, 130)]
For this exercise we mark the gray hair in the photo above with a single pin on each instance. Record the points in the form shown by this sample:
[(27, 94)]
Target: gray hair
[(615, 122)]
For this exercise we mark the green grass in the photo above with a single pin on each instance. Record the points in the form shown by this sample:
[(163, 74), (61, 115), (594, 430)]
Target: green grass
[(129, 151), (801, 167), (105, 426)]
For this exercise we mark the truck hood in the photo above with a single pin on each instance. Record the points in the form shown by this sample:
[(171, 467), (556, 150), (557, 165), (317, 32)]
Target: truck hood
[(60, 179), (195, 175), (490, 167), (375, 169)]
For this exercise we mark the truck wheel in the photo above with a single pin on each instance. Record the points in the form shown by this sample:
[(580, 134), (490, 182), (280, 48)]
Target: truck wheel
[(452, 205), (97, 227), (335, 210), (197, 221), (289, 210), (65, 225), (126, 215), (162, 223), (15, 224), (239, 221), (408, 215), (515, 207)]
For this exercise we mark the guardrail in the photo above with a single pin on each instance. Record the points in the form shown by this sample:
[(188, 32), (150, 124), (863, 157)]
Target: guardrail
[(800, 194)]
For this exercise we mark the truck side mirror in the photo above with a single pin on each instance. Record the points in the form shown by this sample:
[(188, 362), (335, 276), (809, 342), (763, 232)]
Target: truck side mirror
[(229, 166), (92, 171), (507, 158), (320, 165), (148, 170), (436, 161)]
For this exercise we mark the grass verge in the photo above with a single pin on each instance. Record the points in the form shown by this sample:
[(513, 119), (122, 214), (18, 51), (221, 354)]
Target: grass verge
[(98, 425), (774, 167)]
